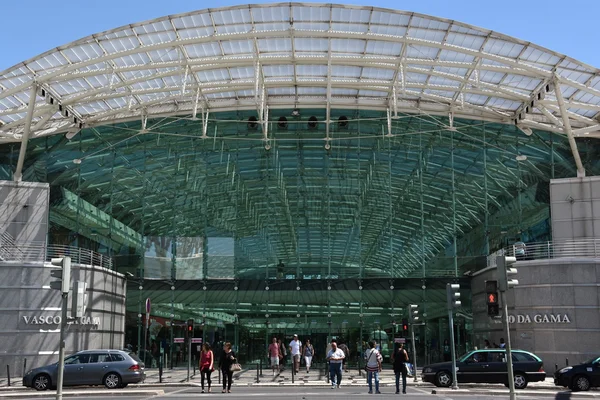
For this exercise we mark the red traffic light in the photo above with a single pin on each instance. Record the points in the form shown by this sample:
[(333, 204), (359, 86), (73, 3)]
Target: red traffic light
[(190, 328), (492, 298)]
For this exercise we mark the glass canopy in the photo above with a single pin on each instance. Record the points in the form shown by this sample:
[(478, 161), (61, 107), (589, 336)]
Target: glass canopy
[(291, 166)]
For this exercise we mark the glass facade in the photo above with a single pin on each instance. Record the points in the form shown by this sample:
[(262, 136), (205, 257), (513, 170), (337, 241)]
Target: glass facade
[(301, 226)]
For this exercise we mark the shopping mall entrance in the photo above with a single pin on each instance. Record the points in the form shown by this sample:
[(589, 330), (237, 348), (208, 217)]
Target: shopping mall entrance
[(249, 313)]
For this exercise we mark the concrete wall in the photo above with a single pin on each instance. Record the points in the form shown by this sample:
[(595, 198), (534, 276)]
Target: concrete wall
[(575, 208), (23, 219), (555, 310), (29, 309)]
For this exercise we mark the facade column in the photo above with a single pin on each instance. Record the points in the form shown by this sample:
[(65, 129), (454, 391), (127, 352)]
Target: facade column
[(26, 132)]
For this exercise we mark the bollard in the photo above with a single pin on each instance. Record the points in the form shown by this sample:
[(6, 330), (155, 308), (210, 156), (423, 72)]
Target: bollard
[(567, 362), (261, 369), (8, 374), (24, 366), (257, 373), (293, 372), (555, 367), (327, 371)]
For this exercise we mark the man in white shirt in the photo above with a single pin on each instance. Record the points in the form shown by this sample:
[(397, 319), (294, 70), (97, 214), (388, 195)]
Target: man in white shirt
[(335, 356), (295, 346)]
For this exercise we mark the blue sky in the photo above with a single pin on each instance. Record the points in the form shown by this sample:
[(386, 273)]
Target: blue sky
[(32, 27)]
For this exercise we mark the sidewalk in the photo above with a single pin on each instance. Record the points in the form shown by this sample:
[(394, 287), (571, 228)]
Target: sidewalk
[(316, 377)]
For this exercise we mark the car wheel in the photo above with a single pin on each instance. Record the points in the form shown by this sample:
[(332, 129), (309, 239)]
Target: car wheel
[(443, 379), (520, 380), (41, 382), (112, 380), (580, 382)]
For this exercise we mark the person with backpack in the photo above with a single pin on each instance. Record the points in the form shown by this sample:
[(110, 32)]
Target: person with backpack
[(399, 360), (373, 360), (346, 351)]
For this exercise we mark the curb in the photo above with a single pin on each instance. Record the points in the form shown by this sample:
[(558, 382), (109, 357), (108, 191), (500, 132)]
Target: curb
[(78, 393)]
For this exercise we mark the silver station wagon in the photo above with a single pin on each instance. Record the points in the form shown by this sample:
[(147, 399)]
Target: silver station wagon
[(111, 368)]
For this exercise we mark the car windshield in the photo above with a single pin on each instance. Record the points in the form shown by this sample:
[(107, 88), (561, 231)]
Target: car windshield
[(592, 360)]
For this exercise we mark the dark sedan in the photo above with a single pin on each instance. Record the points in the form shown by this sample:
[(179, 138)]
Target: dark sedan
[(487, 366), (579, 377), (111, 368)]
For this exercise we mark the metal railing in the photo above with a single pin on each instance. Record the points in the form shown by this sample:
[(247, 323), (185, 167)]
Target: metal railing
[(11, 252), (582, 248)]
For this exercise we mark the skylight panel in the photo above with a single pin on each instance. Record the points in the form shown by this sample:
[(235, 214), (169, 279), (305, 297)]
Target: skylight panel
[(116, 103), (241, 72), (281, 91), (272, 26), (311, 26), (422, 52), (472, 42), (353, 15), (475, 99), (502, 48), (372, 93), (9, 103), (232, 16), (311, 70), (275, 45), (132, 60), (83, 52), (53, 60), (503, 104), (348, 46), (539, 57), (192, 21), (237, 47), (343, 71), (426, 34), (585, 97), (213, 75), (310, 45), (195, 32), (310, 14), (70, 87), (438, 80), (568, 64), (428, 23), (202, 50), (379, 47), (414, 77), (388, 30), (158, 26), (312, 90), (268, 14), (349, 27), (344, 92), (441, 93), (156, 38), (278, 71), (377, 73), (164, 55), (491, 76), (521, 82), (389, 18), (576, 76), (239, 28)]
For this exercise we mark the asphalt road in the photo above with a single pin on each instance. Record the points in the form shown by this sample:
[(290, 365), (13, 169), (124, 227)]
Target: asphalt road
[(296, 393)]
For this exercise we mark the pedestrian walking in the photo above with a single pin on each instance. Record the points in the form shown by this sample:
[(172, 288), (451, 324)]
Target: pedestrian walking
[(346, 351), (373, 360), (207, 360), (282, 355), (399, 360), (335, 356), (225, 361), (295, 346), (274, 355), (309, 353), (446, 351)]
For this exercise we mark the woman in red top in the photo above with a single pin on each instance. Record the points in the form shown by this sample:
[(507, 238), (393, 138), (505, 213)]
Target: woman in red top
[(206, 365)]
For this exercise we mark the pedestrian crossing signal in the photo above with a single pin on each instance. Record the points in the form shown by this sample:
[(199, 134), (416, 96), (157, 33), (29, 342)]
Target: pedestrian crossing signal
[(492, 298), (493, 310)]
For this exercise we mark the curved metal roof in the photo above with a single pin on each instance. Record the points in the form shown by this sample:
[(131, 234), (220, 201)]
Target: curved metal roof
[(294, 55)]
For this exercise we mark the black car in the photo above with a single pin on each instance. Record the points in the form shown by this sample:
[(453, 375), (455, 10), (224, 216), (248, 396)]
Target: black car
[(579, 377), (487, 366)]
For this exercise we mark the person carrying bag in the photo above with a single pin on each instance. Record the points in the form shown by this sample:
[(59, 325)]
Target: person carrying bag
[(228, 364), (373, 367), (400, 360)]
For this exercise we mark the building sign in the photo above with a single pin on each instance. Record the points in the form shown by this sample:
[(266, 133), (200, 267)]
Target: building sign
[(56, 319), (539, 319)]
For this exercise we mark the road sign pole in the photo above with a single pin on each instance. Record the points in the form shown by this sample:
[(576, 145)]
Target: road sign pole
[(509, 364), (61, 349), (451, 322), (414, 350), (189, 358)]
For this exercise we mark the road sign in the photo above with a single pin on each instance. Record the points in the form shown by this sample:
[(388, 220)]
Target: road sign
[(148, 305), (197, 340), (178, 340)]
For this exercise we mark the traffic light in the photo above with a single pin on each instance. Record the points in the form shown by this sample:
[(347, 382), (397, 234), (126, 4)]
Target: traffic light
[(405, 326), (453, 295), (491, 293), (505, 270), (63, 275), (190, 328), (80, 299), (414, 313)]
